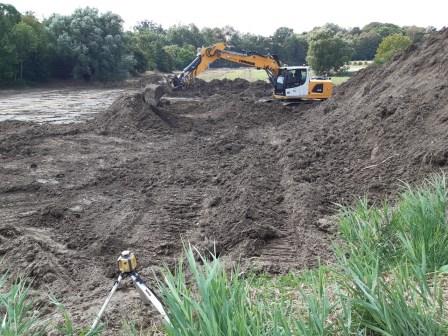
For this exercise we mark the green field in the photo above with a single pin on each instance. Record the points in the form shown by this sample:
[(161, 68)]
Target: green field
[(252, 75), (338, 80)]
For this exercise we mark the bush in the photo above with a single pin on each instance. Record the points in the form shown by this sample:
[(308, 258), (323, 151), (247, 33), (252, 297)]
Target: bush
[(328, 53), (181, 56), (390, 46)]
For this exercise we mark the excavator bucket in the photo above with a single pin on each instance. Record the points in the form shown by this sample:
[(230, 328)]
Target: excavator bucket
[(153, 93)]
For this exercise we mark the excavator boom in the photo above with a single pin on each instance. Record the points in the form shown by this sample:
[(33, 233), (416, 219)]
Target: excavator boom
[(218, 51)]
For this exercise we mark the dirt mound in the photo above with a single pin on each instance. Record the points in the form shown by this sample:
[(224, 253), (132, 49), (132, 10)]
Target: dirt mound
[(202, 88), (132, 113), (387, 124)]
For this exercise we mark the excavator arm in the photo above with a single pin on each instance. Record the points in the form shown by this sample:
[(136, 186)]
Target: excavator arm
[(208, 55)]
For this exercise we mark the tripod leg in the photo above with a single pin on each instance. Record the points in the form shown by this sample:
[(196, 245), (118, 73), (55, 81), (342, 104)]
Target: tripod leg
[(104, 306), (147, 295)]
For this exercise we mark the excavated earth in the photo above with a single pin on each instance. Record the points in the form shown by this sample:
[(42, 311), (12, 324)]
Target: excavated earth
[(214, 166)]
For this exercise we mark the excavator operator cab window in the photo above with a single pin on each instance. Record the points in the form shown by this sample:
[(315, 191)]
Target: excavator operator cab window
[(279, 85), (296, 77)]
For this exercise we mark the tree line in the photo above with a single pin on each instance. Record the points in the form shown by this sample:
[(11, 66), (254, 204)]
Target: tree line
[(91, 45)]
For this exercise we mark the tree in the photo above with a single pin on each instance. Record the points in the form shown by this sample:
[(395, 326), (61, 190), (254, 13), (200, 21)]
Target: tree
[(185, 34), (148, 25), (36, 66), (150, 42), (327, 52), (280, 35), (92, 45), (286, 45), (251, 42), (62, 56), (212, 35), (296, 48), (387, 29), (25, 43), (365, 45), (181, 56), (382, 29), (140, 62), (415, 33), (390, 46), (161, 59), (355, 31), (9, 17)]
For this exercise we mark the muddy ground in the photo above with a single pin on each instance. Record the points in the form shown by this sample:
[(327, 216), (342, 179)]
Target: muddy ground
[(216, 167), (205, 169)]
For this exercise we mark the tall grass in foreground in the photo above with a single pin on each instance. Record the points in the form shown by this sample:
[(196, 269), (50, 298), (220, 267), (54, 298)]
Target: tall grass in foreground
[(217, 303), (389, 262), (17, 316)]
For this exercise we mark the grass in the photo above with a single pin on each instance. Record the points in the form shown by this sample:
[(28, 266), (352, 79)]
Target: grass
[(17, 314), (389, 278)]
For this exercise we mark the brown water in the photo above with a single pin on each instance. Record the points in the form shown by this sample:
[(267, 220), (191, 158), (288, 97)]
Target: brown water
[(55, 105)]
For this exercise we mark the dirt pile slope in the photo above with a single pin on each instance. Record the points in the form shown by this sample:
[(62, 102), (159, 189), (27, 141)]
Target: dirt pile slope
[(226, 86), (129, 113), (388, 123)]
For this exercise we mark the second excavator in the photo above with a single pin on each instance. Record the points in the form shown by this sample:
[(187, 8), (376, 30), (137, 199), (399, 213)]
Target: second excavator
[(289, 82)]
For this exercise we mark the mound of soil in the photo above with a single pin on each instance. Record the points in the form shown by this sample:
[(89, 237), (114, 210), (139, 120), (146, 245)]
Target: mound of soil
[(386, 124), (255, 181), (130, 113), (201, 88)]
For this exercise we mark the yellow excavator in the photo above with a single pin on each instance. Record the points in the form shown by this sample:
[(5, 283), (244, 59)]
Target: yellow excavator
[(289, 82)]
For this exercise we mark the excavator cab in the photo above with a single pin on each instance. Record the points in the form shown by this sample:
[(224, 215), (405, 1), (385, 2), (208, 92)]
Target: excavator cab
[(295, 82), (292, 81)]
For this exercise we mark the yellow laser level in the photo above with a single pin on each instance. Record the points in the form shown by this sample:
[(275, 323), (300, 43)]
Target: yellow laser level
[(127, 265), (127, 262)]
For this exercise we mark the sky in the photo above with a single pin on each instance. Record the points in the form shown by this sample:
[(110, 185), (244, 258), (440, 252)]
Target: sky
[(258, 17)]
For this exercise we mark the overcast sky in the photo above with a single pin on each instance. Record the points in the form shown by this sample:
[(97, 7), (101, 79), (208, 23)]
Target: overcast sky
[(260, 17)]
